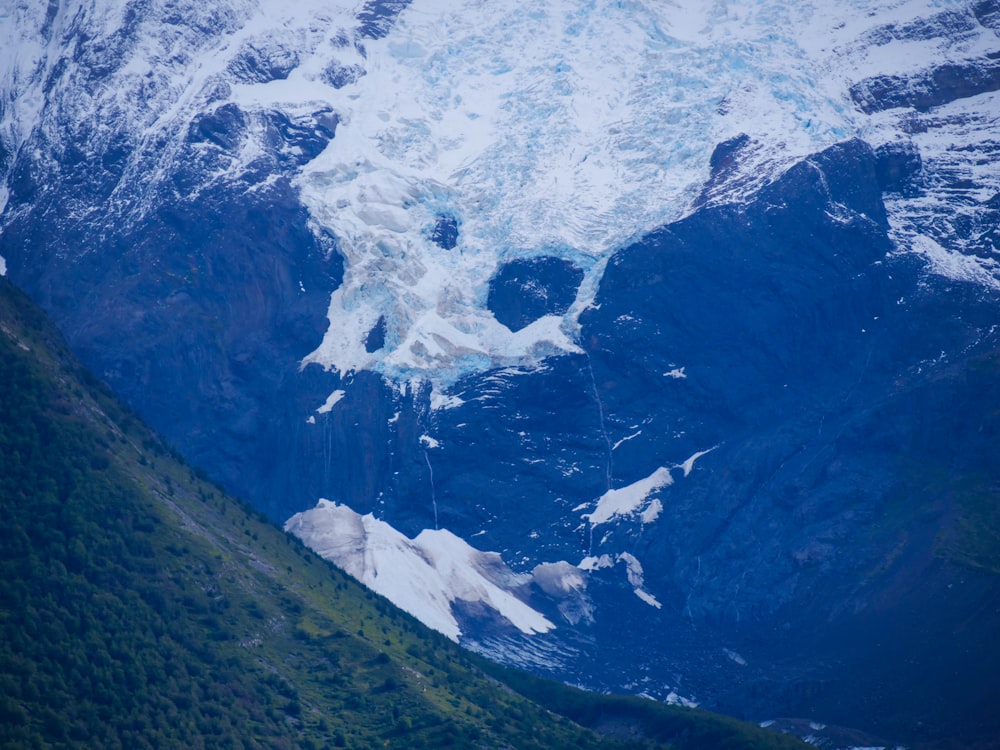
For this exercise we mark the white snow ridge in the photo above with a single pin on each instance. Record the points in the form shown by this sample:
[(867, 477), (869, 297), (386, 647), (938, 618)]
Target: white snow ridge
[(423, 576)]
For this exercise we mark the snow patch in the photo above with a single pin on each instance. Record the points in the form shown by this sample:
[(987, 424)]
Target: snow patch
[(625, 439), (3, 266), (688, 465), (678, 700), (633, 571), (424, 576), (428, 442), (592, 563), (330, 402), (626, 500), (559, 578), (735, 657), (566, 584), (652, 511), (982, 271), (443, 401), (636, 577), (648, 598)]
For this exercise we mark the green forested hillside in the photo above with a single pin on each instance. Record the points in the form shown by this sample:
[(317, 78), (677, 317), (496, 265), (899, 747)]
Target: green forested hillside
[(141, 607)]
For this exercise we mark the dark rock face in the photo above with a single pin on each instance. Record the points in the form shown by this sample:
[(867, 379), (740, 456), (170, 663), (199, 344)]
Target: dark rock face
[(726, 153), (524, 290), (524, 449), (898, 169), (933, 88), (810, 545), (298, 141), (723, 166), (198, 319), (262, 65), (445, 233), (197, 312), (338, 75), (377, 16), (941, 84), (376, 336), (987, 13), (222, 128), (781, 543)]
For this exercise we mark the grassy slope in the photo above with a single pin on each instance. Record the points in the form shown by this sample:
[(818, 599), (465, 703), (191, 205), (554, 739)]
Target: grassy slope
[(141, 607)]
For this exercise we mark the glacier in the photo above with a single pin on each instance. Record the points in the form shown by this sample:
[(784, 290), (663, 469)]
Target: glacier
[(514, 120), (568, 130), (562, 129)]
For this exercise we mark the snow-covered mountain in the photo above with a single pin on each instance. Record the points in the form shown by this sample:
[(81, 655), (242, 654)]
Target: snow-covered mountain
[(685, 310)]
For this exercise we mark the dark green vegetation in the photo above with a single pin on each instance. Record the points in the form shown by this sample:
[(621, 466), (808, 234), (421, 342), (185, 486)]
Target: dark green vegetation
[(141, 607), (976, 541), (624, 715), (947, 465)]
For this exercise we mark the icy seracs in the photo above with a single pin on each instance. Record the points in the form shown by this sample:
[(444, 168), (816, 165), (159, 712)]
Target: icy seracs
[(564, 128), (567, 129)]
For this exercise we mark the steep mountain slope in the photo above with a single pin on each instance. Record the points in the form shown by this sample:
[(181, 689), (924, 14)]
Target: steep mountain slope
[(683, 314), (142, 607), (850, 404), (789, 435)]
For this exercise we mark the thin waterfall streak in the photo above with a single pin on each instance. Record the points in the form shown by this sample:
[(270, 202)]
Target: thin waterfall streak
[(327, 454), (434, 504), (609, 465)]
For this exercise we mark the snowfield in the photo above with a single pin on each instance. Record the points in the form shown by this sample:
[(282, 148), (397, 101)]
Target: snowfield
[(423, 576)]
